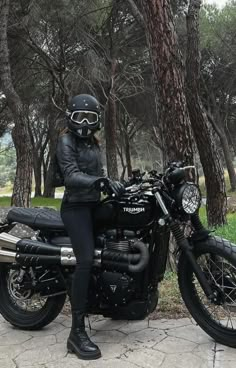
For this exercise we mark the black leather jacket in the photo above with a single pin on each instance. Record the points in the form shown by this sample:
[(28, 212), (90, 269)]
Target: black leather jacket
[(81, 165)]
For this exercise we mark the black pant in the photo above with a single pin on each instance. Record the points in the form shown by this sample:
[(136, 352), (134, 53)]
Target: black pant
[(79, 225)]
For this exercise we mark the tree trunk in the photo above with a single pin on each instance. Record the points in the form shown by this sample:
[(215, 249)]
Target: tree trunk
[(216, 124), (110, 130), (168, 80), (232, 134), (23, 180), (38, 176), (46, 161), (49, 189), (128, 156), (120, 153), (21, 196), (228, 161), (210, 160)]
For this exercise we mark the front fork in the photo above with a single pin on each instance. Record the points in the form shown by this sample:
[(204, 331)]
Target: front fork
[(184, 244)]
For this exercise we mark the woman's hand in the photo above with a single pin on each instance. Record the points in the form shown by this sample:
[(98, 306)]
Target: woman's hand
[(116, 187), (110, 186)]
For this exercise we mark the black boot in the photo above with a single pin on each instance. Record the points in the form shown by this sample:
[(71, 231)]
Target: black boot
[(78, 342)]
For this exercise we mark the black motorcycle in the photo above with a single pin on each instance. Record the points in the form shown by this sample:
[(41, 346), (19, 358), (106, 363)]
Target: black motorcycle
[(132, 235)]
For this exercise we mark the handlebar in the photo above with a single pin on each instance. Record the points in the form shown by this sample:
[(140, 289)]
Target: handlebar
[(173, 175), (139, 188)]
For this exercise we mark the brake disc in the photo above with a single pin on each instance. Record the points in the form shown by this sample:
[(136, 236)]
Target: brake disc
[(14, 287)]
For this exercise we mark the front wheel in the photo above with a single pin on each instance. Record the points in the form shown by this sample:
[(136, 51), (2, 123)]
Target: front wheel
[(26, 310), (217, 259)]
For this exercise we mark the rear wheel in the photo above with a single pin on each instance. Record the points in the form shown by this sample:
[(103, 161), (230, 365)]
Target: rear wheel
[(26, 310), (217, 259)]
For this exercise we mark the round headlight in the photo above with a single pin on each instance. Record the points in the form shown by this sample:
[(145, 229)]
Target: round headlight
[(191, 198)]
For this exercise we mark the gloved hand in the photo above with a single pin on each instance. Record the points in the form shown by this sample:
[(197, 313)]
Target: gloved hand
[(116, 187), (110, 186)]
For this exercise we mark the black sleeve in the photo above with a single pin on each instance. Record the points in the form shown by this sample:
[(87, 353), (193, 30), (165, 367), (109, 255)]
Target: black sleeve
[(66, 157), (102, 168)]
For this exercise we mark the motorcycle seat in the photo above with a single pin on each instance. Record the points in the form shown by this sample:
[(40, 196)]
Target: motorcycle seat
[(36, 218)]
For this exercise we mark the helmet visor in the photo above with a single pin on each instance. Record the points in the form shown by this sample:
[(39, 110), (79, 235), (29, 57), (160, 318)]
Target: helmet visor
[(80, 117)]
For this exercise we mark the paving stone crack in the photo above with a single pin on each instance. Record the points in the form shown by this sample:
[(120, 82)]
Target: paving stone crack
[(16, 364), (164, 358), (135, 364), (152, 347), (181, 338), (125, 333), (21, 352), (214, 357), (168, 328)]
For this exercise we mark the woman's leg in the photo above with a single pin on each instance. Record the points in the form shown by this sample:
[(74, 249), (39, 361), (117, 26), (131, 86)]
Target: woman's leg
[(78, 222)]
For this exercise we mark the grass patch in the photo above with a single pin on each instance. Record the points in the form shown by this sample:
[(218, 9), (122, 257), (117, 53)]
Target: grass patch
[(227, 231), (8, 188), (36, 202), (170, 303), (46, 202)]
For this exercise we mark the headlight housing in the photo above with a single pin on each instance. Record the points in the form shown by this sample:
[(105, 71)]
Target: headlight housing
[(189, 198)]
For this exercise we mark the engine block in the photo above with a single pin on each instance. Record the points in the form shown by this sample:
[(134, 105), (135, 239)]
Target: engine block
[(117, 288)]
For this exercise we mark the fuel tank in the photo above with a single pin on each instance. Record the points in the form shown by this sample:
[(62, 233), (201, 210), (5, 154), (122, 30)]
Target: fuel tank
[(124, 214)]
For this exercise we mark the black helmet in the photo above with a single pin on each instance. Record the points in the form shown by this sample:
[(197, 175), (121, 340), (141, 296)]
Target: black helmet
[(84, 115)]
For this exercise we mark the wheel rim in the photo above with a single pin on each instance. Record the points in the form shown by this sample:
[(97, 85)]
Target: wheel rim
[(26, 300), (221, 274)]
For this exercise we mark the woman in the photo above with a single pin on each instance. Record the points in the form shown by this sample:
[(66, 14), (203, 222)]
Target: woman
[(79, 158)]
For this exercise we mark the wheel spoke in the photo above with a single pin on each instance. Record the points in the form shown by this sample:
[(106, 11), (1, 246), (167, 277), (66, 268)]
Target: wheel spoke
[(222, 276)]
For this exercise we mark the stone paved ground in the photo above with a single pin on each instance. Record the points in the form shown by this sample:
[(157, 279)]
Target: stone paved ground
[(147, 344)]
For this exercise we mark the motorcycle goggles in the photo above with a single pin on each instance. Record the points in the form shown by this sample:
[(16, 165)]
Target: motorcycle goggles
[(81, 116)]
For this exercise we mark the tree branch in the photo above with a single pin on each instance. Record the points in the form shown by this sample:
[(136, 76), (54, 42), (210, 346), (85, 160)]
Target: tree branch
[(136, 12)]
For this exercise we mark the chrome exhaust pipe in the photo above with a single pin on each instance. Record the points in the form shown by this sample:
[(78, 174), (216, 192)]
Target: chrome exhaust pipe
[(7, 244), (27, 246), (8, 241), (66, 258), (28, 250), (35, 247), (6, 256)]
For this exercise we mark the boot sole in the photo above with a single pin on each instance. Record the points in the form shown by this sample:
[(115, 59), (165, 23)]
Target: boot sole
[(72, 348)]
